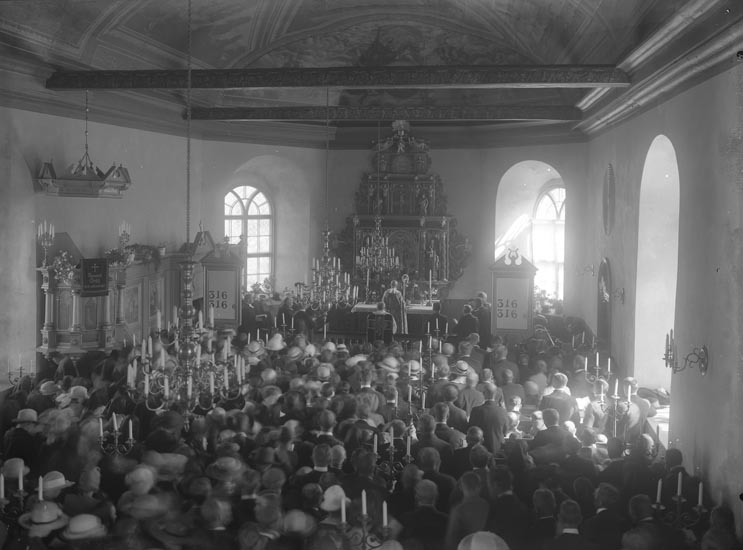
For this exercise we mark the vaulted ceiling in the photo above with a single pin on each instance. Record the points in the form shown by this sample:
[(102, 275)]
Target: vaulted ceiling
[(640, 39)]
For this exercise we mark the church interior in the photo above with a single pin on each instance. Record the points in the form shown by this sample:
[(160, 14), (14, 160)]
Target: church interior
[(322, 148)]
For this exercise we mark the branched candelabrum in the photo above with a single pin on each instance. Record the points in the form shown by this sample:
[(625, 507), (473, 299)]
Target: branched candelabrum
[(45, 237), (15, 376), (678, 515), (112, 442), (12, 505)]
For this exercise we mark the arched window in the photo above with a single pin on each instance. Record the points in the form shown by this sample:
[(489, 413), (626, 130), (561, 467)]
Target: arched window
[(548, 241), (248, 213)]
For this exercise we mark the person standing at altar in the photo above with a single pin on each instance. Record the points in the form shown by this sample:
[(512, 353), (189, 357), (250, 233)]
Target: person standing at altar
[(483, 321), (394, 303), (466, 325)]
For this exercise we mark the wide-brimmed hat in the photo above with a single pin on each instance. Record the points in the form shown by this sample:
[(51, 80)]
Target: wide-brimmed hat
[(13, 466), (169, 466), (276, 343), (297, 522), (460, 368), (255, 348), (44, 517), (414, 367), (79, 392), (355, 360), (270, 395), (55, 480), (26, 416), (341, 348), (330, 346), (225, 468), (294, 353), (332, 497), (310, 350), (482, 540), (84, 526), (390, 364), (49, 388), (150, 506)]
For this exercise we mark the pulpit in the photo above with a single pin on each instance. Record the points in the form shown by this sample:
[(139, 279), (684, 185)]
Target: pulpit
[(513, 295)]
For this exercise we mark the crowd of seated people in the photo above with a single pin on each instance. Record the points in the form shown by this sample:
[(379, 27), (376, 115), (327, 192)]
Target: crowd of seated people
[(502, 454)]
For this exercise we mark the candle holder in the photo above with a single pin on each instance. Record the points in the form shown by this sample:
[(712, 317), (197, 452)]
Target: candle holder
[(364, 537), (45, 237), (679, 517), (112, 443), (11, 508), (15, 376)]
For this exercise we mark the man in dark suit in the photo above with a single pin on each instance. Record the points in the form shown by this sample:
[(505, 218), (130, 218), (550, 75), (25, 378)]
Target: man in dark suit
[(509, 517), (553, 434), (465, 354), (427, 438), (443, 430), (430, 462), (569, 538), (492, 419), (425, 525), (461, 462), (483, 320), (606, 527), (501, 363), (457, 417), (466, 325), (561, 400)]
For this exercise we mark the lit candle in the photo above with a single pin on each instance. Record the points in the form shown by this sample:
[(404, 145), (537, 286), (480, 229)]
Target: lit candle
[(407, 445), (441, 345), (585, 363), (597, 358), (375, 444), (211, 382), (100, 427), (158, 320), (189, 387), (583, 337), (420, 348), (240, 366), (410, 393), (175, 315), (343, 509), (2, 487), (324, 331), (292, 322), (198, 353), (363, 502), (131, 429), (134, 341), (629, 392), (41, 488), (166, 387), (679, 483), (608, 366), (143, 352), (116, 424), (423, 400), (660, 488), (437, 323), (657, 433), (616, 386), (699, 494), (384, 513), (149, 346), (211, 315), (201, 319), (20, 477), (226, 378), (225, 347), (162, 357), (146, 385)]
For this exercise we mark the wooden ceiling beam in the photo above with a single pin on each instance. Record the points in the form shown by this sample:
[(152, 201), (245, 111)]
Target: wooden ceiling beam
[(356, 114), (456, 77)]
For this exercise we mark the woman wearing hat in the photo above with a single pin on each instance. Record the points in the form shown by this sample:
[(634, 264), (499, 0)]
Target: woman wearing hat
[(24, 440), (330, 534)]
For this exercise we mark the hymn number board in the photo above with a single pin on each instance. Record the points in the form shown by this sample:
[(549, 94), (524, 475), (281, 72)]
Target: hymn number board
[(222, 291), (513, 288)]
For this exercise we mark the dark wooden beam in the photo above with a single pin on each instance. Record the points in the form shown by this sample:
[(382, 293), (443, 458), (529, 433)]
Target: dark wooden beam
[(464, 77), (476, 112)]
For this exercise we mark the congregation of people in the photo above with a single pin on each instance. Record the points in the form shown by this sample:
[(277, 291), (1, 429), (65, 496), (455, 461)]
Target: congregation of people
[(332, 445)]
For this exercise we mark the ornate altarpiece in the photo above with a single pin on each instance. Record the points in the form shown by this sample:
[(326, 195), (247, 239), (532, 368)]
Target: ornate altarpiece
[(413, 209)]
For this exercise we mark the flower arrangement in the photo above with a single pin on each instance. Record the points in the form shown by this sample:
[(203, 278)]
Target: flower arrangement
[(119, 257), (63, 266), (123, 256)]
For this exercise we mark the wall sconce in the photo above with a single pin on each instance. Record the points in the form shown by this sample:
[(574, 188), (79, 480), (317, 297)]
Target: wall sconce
[(697, 357), (588, 268), (619, 294)]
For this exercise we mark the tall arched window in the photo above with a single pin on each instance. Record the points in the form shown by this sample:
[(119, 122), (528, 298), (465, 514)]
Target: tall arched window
[(548, 241), (248, 213)]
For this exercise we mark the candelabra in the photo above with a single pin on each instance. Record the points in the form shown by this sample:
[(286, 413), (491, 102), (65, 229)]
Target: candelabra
[(378, 257), (197, 380), (15, 376), (12, 506), (112, 442), (45, 237), (125, 234), (680, 516)]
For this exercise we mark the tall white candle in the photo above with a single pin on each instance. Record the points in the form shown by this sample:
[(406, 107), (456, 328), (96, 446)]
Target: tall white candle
[(41, 488), (20, 477), (226, 378), (597, 358), (116, 424), (143, 352), (100, 427), (363, 502), (189, 387), (131, 429), (343, 509), (158, 320), (201, 319), (211, 315), (679, 483), (699, 494), (423, 400), (175, 315), (410, 393), (407, 445), (608, 365), (211, 383), (166, 385), (2, 486), (616, 386), (149, 346), (375, 444), (585, 363), (146, 385), (658, 492), (384, 513)]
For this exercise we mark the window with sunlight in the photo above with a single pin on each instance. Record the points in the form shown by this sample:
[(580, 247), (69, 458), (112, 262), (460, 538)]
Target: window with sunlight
[(548, 241), (248, 214)]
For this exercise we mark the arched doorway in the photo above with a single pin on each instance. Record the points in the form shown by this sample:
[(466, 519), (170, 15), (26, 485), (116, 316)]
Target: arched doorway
[(657, 262), (530, 216)]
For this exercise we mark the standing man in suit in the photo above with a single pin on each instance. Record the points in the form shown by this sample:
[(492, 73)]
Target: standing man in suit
[(466, 325), (492, 419), (561, 400), (568, 520)]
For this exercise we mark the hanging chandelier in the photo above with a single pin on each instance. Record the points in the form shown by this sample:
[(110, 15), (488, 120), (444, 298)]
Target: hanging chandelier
[(379, 256)]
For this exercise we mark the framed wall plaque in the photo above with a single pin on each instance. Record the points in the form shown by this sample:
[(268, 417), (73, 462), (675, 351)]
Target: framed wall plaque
[(513, 295)]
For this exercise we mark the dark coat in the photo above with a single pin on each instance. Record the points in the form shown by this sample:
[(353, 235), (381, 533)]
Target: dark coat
[(426, 525), (493, 420), (604, 529), (564, 404), (570, 541)]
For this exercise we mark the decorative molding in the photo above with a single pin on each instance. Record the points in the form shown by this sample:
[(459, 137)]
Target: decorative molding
[(420, 113), (463, 77)]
